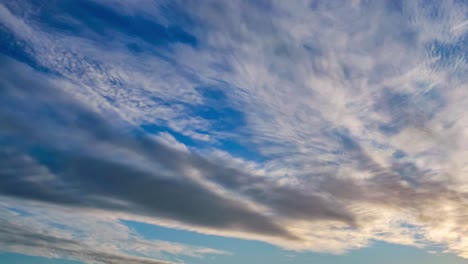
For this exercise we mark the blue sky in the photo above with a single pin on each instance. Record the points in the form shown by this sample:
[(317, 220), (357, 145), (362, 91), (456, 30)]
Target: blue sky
[(233, 131)]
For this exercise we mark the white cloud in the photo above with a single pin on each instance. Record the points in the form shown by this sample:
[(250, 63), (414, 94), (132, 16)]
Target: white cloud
[(330, 94), (29, 228)]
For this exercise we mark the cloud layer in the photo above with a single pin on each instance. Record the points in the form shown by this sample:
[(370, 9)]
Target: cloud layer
[(312, 125)]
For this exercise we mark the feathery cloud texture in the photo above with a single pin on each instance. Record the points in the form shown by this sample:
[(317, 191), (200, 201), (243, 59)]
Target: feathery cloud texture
[(311, 125)]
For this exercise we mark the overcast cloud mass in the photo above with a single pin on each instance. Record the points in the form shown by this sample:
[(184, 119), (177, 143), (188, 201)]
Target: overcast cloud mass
[(317, 126)]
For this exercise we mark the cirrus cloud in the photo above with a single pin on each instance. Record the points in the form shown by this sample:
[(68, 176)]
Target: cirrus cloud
[(312, 125)]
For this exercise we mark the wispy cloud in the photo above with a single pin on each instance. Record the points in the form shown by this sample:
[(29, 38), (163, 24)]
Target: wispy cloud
[(57, 232), (352, 113)]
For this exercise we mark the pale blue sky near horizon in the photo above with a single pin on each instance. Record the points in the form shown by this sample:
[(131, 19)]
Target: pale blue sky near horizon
[(260, 252)]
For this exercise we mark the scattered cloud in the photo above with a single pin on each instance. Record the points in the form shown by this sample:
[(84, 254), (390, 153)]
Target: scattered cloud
[(312, 125), (30, 228)]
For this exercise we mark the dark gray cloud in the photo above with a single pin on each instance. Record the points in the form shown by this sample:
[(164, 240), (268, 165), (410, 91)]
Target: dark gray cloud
[(40, 121), (61, 135), (284, 200)]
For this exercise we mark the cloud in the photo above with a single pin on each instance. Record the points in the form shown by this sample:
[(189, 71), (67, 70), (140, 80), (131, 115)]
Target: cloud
[(83, 174), (27, 242), (353, 113), (55, 232)]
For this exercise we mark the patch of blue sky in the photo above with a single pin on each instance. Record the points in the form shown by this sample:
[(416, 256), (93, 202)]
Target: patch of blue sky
[(87, 18), (231, 145), (18, 49), (48, 157), (247, 251), (448, 54), (19, 211), (154, 129), (244, 150), (398, 154), (225, 124), (221, 118), (15, 258), (217, 109), (257, 252)]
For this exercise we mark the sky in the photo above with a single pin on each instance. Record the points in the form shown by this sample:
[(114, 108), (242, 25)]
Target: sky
[(216, 131)]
